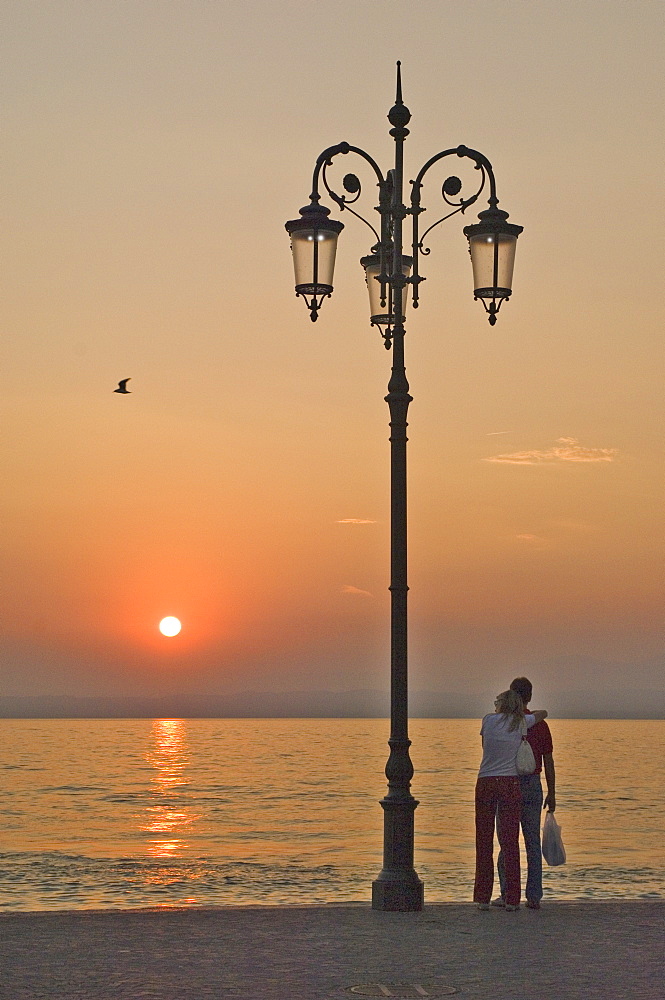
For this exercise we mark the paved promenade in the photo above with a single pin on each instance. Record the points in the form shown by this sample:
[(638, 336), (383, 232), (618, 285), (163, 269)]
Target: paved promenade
[(566, 951)]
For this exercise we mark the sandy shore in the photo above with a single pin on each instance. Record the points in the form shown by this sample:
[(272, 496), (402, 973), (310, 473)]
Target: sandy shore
[(565, 951)]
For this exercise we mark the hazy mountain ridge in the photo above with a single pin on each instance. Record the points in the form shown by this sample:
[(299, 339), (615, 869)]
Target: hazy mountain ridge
[(611, 704)]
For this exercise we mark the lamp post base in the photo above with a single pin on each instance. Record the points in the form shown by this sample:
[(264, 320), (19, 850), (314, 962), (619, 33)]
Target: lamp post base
[(397, 886), (398, 892)]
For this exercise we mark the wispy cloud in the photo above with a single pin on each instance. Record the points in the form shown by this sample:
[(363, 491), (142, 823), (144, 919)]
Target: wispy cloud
[(355, 520), (533, 541), (491, 434), (348, 589), (553, 533), (565, 449)]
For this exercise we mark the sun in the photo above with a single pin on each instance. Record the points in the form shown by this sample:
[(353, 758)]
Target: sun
[(170, 626)]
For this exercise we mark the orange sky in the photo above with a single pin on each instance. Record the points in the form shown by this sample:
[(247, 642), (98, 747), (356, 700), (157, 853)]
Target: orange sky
[(154, 153)]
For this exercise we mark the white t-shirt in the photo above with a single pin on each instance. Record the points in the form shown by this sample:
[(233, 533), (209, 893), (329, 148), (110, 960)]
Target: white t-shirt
[(500, 745)]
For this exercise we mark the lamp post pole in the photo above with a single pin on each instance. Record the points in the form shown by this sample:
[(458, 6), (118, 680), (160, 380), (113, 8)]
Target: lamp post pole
[(492, 247), (398, 887)]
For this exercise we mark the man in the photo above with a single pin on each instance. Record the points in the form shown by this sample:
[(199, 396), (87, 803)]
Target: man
[(540, 738)]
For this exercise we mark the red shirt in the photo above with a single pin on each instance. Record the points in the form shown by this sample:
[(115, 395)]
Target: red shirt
[(540, 739)]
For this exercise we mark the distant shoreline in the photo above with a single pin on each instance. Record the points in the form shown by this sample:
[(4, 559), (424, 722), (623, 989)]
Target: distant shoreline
[(363, 704), (4, 716)]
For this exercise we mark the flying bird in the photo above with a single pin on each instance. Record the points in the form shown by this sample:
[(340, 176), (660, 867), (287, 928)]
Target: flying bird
[(122, 385)]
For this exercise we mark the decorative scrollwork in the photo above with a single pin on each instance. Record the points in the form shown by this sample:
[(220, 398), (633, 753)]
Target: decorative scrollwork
[(353, 186), (450, 188)]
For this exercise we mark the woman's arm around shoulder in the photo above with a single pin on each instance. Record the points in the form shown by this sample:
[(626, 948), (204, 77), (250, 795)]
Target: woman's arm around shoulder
[(540, 715)]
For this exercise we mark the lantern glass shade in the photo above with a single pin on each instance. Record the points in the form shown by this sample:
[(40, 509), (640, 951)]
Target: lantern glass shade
[(492, 258), (381, 295), (492, 243), (314, 252)]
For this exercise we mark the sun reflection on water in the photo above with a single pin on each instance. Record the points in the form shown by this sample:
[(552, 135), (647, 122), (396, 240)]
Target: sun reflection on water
[(123, 813), (169, 817)]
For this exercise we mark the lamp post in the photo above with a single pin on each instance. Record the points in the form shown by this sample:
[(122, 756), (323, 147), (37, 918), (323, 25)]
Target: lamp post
[(390, 274)]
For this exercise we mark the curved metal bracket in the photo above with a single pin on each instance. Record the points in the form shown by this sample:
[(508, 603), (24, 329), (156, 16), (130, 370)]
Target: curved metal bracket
[(481, 161), (463, 205), (351, 182), (451, 187), (353, 186)]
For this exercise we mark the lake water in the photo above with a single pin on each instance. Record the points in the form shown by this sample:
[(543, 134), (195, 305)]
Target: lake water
[(130, 813)]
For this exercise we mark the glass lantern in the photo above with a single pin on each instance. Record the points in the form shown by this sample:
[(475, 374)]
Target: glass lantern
[(492, 244), (381, 293), (314, 246)]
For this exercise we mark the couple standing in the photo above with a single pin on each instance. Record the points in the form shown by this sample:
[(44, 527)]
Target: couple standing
[(511, 799)]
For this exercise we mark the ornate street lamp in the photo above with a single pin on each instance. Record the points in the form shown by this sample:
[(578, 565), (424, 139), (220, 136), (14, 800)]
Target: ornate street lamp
[(390, 274)]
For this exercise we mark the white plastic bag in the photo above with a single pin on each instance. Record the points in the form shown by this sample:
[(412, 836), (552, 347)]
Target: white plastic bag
[(553, 850)]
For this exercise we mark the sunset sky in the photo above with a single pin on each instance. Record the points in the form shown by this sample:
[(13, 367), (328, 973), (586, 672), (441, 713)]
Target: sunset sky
[(153, 152)]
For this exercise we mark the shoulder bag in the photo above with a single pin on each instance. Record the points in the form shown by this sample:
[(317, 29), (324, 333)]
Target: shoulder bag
[(525, 760)]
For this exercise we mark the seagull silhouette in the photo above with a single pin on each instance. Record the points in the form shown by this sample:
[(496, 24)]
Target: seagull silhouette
[(122, 385)]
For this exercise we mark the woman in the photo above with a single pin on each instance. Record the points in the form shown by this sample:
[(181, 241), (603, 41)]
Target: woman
[(498, 796)]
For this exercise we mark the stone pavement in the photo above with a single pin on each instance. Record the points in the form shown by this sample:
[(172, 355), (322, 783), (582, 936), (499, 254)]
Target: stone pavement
[(565, 951)]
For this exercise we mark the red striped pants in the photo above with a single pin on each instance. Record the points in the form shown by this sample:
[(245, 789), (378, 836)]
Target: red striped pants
[(497, 796)]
